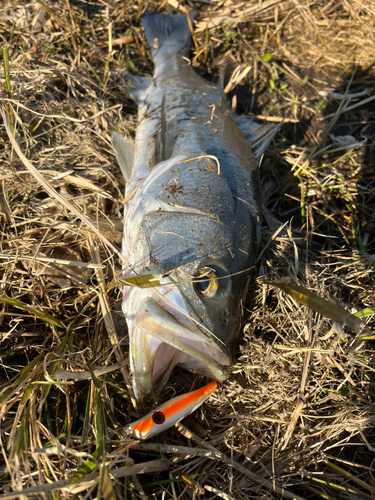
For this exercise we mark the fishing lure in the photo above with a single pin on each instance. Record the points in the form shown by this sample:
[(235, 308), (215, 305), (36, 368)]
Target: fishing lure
[(170, 413)]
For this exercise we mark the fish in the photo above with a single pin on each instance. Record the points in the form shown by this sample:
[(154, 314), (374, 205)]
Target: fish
[(192, 216), (170, 413)]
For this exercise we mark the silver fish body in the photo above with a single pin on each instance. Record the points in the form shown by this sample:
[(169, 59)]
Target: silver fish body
[(192, 218)]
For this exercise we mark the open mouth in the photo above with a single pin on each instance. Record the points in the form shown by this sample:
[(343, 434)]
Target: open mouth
[(162, 335)]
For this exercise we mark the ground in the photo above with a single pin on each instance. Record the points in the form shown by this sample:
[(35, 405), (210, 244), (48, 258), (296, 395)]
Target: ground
[(296, 417)]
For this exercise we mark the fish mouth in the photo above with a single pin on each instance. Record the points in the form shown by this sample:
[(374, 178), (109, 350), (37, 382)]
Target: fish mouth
[(159, 341)]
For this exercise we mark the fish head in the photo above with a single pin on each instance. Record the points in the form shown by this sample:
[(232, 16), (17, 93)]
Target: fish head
[(186, 227)]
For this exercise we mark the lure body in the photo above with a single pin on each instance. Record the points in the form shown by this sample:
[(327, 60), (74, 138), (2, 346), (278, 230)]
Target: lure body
[(170, 413)]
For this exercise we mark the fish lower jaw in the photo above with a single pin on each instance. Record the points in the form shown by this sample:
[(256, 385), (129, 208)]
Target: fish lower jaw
[(159, 341), (166, 358)]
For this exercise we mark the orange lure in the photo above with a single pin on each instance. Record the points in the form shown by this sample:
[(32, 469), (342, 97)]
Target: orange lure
[(170, 412)]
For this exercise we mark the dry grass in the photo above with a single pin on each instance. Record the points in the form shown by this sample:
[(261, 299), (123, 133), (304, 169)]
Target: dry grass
[(298, 412)]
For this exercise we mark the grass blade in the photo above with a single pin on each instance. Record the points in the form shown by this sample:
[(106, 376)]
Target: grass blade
[(142, 281), (318, 304), (7, 70), (21, 379), (25, 307), (105, 488)]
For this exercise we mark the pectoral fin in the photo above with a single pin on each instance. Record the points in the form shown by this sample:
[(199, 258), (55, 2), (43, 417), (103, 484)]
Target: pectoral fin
[(124, 151)]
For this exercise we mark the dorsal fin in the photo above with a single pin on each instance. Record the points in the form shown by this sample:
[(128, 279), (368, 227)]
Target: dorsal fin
[(160, 150), (163, 131), (136, 86), (124, 151)]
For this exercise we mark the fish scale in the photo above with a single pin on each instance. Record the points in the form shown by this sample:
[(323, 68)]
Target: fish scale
[(193, 214)]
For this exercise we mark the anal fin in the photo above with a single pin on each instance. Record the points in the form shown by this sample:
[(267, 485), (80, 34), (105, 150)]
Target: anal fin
[(136, 86), (258, 136), (225, 77)]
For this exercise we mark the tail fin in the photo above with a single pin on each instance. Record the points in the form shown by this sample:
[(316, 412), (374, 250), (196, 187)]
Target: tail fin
[(167, 35)]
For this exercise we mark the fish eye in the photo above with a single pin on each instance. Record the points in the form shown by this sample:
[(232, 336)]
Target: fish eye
[(206, 282), (158, 417)]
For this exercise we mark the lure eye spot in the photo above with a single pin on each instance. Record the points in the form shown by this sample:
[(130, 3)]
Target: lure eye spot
[(158, 417)]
